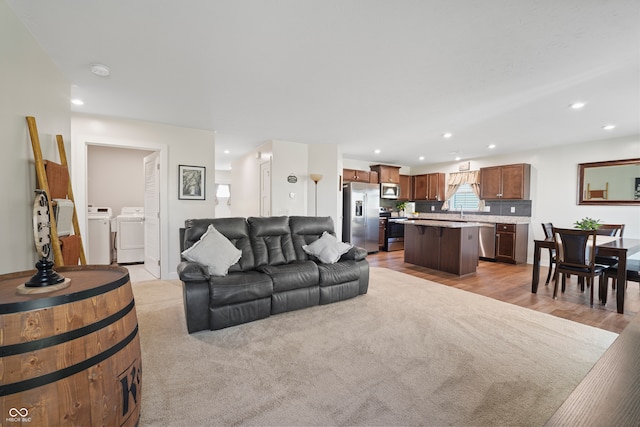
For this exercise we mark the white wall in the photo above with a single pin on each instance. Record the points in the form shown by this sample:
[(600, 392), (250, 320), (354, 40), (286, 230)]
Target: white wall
[(30, 85), (115, 177), (177, 146), (286, 198), (327, 160), (554, 183)]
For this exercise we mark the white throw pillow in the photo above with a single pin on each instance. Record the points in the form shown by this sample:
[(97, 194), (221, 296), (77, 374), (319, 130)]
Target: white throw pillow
[(215, 251), (327, 248)]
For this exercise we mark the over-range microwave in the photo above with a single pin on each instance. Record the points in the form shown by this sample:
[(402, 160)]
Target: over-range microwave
[(389, 191)]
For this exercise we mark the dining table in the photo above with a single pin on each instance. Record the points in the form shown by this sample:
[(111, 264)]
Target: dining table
[(619, 247)]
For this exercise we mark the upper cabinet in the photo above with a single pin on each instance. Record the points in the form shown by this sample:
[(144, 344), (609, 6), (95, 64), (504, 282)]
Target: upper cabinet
[(354, 175), (429, 186), (505, 182), (387, 174)]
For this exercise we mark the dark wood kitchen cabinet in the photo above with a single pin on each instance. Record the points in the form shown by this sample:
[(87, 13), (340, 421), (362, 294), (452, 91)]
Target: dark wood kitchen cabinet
[(429, 186), (505, 182), (453, 249), (406, 188), (387, 174), (511, 243), (382, 229), (354, 175)]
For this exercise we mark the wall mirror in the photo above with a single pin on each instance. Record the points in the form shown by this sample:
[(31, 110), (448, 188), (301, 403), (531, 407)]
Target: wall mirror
[(615, 182)]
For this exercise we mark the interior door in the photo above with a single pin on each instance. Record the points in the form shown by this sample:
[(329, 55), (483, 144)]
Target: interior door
[(152, 214), (265, 189)]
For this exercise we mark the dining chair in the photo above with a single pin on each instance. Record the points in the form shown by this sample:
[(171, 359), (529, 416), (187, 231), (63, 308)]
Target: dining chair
[(633, 275), (609, 230), (576, 255), (548, 233)]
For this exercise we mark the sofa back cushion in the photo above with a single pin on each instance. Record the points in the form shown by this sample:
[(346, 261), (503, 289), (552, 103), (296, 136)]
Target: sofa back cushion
[(271, 240), (306, 230), (234, 229)]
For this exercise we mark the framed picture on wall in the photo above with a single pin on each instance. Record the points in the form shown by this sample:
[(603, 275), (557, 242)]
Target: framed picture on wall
[(191, 182)]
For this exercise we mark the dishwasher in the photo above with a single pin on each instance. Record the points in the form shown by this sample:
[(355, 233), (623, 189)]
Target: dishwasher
[(487, 241)]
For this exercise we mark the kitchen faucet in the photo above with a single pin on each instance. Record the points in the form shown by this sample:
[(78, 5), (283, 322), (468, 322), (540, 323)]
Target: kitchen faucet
[(461, 212)]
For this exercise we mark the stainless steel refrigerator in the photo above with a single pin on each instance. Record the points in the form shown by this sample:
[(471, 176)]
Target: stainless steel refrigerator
[(360, 214)]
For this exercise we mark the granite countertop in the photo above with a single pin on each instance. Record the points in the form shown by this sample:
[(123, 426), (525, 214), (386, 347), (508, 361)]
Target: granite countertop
[(494, 219), (440, 223)]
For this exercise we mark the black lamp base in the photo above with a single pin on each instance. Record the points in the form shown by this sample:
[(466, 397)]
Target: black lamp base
[(45, 276)]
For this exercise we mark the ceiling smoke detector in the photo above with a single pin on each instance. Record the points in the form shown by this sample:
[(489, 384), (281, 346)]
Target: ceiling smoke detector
[(100, 70)]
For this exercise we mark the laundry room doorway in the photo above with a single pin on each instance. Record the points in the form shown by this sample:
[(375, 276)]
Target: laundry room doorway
[(127, 177)]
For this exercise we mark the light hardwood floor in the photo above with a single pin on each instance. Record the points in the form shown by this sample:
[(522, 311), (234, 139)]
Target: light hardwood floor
[(512, 284)]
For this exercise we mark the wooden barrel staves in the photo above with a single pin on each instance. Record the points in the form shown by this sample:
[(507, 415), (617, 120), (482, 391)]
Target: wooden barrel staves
[(71, 356)]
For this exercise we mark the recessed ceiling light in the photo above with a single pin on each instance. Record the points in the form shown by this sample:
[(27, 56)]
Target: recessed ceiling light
[(491, 146), (77, 101), (609, 127), (377, 151), (226, 151), (458, 158), (577, 105), (447, 135), (421, 158), (100, 70)]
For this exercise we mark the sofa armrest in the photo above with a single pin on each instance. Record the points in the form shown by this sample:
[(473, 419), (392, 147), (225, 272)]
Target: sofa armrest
[(196, 305), (356, 253), (192, 272)]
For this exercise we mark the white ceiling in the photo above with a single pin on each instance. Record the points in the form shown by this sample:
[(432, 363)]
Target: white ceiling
[(392, 75)]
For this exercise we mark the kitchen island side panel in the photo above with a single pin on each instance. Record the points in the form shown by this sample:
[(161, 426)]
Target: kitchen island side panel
[(451, 248)]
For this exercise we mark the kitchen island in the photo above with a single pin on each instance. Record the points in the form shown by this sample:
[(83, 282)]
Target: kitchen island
[(448, 246)]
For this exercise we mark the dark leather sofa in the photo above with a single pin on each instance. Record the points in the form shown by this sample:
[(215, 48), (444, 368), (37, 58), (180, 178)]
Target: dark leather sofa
[(273, 275)]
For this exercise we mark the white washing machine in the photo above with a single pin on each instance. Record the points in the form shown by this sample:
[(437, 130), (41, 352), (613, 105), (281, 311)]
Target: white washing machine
[(130, 235), (99, 235)]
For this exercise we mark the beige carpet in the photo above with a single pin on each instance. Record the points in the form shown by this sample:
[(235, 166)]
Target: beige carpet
[(410, 352)]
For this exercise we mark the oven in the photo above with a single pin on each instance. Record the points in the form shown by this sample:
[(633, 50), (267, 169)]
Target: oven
[(395, 234), (393, 231)]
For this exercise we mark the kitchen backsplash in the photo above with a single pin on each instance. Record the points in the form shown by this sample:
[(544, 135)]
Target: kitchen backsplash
[(515, 208)]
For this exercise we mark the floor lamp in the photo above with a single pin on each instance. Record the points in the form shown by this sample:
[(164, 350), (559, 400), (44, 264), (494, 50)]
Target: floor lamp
[(316, 177)]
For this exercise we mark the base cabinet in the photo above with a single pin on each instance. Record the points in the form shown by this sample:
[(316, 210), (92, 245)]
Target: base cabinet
[(511, 243), (382, 229)]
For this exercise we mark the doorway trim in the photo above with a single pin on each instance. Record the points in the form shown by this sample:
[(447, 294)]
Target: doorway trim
[(79, 181)]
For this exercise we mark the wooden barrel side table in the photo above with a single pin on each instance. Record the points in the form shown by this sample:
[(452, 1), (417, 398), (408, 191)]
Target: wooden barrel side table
[(71, 356)]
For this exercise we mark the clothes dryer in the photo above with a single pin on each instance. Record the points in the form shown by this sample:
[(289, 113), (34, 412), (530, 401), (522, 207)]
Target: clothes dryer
[(130, 235), (99, 235)]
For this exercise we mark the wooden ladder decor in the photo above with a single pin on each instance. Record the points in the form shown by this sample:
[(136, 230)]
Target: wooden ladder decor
[(43, 184)]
